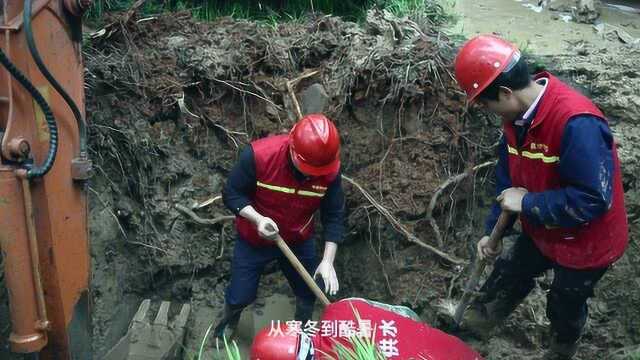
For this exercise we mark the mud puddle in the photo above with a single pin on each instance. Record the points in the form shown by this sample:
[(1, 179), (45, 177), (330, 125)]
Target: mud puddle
[(538, 29)]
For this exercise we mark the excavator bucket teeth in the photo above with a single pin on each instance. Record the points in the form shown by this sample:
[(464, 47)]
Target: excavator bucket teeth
[(141, 314), (182, 318), (162, 318), (157, 339)]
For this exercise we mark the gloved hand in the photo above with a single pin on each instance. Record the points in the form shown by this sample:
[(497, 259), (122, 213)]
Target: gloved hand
[(328, 273), (488, 250), (267, 228), (511, 199)]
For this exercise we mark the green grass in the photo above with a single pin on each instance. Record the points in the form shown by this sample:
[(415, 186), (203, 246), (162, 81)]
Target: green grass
[(362, 348), (274, 11), (101, 7), (435, 10), (204, 341), (232, 351), (246, 9), (282, 10)]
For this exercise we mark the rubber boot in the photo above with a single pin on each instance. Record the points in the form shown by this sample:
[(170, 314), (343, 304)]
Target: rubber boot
[(482, 318), (230, 319), (304, 309), (561, 351)]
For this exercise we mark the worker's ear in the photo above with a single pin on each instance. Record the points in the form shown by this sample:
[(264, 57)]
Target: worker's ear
[(504, 93)]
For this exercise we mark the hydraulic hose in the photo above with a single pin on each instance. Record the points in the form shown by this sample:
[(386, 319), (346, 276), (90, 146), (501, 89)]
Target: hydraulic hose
[(36, 171), (82, 129)]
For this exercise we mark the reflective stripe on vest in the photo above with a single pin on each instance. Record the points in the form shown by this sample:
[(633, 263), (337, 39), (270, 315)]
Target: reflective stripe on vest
[(309, 193), (534, 156), (276, 188), (289, 190)]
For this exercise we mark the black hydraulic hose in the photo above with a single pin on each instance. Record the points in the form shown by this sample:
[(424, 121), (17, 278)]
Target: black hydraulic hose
[(36, 171), (82, 129)]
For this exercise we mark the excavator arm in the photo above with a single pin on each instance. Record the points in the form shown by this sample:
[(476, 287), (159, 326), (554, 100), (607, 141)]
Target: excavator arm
[(43, 178), (44, 168)]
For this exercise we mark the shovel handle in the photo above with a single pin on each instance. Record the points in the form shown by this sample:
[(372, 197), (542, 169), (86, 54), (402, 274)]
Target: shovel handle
[(479, 265), (501, 226), (301, 270)]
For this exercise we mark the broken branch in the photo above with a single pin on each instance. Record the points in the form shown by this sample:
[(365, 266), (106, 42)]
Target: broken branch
[(246, 92), (199, 220), (206, 202), (148, 246), (290, 85)]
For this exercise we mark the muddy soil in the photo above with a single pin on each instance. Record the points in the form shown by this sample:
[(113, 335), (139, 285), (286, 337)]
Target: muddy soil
[(546, 30), (173, 101), (404, 130)]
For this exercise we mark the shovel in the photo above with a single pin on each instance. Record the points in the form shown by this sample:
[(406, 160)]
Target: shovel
[(478, 268), (276, 306), (302, 271)]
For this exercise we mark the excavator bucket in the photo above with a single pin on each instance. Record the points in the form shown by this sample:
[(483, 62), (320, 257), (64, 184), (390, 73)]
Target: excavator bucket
[(159, 339)]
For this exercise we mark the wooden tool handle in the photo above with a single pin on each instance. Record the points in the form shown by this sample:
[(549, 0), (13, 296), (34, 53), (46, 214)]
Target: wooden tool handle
[(501, 226), (479, 265), (302, 271)]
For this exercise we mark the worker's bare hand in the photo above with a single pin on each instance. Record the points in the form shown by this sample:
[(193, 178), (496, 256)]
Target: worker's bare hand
[(488, 250), (267, 228), (511, 199), (328, 273)]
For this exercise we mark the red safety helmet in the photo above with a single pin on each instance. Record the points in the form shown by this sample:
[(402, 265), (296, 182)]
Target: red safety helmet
[(278, 342), (315, 145), (481, 60)]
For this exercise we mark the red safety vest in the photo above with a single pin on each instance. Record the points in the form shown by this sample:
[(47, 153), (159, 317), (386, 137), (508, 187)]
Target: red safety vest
[(280, 196), (396, 336), (534, 166)]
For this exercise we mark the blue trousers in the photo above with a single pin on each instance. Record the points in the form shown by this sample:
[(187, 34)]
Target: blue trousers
[(249, 262), (513, 278)]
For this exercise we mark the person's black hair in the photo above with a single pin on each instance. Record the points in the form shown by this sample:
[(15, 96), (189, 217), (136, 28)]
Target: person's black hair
[(516, 77)]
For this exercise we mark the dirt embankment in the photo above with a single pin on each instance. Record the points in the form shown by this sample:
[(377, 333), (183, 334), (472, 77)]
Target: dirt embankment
[(172, 101), (404, 130)]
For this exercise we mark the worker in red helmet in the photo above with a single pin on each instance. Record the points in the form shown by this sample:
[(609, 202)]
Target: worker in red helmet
[(395, 330), (275, 188), (558, 169)]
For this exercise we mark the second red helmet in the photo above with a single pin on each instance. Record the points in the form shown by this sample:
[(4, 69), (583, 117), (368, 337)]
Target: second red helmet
[(480, 62)]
